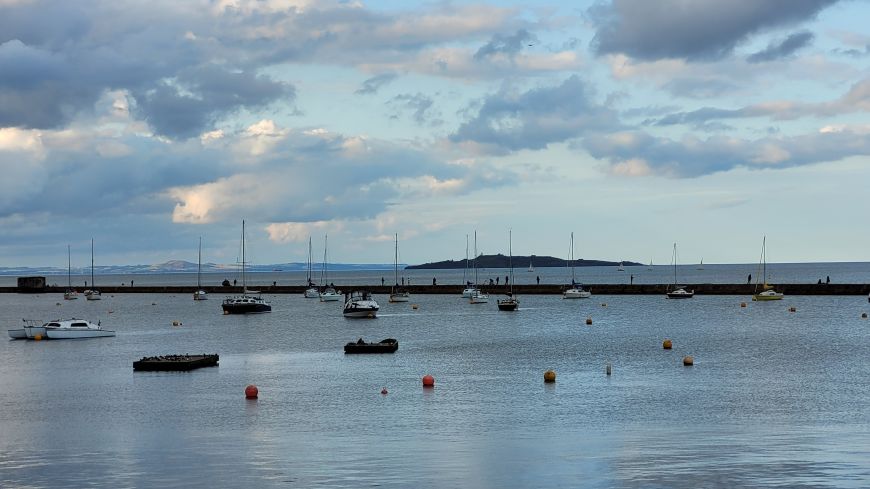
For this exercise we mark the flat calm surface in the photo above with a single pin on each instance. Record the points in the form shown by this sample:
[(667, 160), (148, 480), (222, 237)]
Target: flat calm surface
[(775, 399)]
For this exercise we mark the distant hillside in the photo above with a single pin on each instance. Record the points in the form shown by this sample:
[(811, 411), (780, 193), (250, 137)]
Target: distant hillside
[(181, 266), (502, 261)]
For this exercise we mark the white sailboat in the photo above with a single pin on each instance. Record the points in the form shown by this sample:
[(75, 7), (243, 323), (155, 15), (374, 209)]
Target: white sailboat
[(327, 291), (511, 303), (245, 304), (650, 266), (70, 294), (767, 292), (199, 295), (678, 291), (620, 267), (531, 267), (700, 265), (470, 289), (576, 291), (312, 292), (397, 294), (477, 297), (92, 294)]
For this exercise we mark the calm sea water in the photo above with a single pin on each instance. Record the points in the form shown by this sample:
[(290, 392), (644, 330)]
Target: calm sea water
[(775, 399)]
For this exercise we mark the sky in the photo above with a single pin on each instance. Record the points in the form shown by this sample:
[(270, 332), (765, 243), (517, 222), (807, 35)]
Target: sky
[(633, 124)]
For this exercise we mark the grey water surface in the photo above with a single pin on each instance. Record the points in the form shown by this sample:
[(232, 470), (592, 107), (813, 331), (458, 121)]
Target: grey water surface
[(775, 398)]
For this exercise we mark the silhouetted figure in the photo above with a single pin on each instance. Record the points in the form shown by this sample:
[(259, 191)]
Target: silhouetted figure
[(433, 281), (225, 283), (819, 282), (828, 279), (382, 281), (131, 283), (496, 280), (631, 280), (403, 280), (538, 278), (749, 278), (490, 282), (234, 282), (274, 283), (506, 278)]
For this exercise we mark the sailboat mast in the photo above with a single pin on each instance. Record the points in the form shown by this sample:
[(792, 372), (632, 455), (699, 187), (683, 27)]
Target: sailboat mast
[(572, 258), (675, 264), (309, 260), (475, 258), (325, 275), (68, 268), (465, 270), (764, 258), (92, 264), (244, 283), (396, 259), (511, 257), (199, 264)]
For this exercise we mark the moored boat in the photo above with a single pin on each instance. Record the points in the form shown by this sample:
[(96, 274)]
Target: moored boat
[(576, 290), (389, 345), (767, 291), (511, 303), (360, 304), (678, 291), (398, 294), (59, 330), (245, 304)]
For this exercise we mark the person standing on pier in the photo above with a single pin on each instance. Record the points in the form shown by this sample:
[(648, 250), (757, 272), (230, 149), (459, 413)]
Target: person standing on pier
[(631, 280), (538, 278), (433, 281), (382, 281), (749, 278)]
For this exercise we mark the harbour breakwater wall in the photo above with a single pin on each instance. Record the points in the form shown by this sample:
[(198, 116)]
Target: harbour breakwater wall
[(524, 289)]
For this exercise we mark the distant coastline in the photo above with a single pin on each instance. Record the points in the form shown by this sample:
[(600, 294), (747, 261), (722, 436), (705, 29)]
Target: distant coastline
[(503, 261)]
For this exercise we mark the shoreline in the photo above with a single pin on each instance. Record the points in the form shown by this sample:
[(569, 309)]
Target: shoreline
[(522, 289)]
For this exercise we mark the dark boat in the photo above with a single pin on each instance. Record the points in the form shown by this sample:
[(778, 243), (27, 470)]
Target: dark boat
[(166, 363), (388, 345), (360, 304)]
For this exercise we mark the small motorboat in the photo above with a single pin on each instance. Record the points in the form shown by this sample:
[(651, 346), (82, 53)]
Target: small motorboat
[(388, 345), (329, 294), (360, 304), (61, 329), (681, 293), (509, 304)]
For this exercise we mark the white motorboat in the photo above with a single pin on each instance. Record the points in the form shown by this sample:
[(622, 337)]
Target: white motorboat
[(245, 304), (576, 290), (92, 294), (199, 295), (360, 304), (398, 294), (329, 294), (61, 329), (469, 291), (478, 298)]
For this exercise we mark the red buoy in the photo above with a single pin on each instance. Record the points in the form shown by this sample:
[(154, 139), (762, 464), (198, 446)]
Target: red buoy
[(251, 392), (428, 381)]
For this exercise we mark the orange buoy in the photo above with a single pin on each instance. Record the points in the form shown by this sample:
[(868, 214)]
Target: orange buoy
[(414, 307), (589, 320), (37, 337), (251, 392), (688, 361), (384, 391), (549, 376), (428, 381), (742, 304), (667, 344)]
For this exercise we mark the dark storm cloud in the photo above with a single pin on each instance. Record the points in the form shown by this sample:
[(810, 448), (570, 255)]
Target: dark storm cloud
[(199, 96), (373, 84), (782, 49), (696, 30), (508, 46), (508, 121)]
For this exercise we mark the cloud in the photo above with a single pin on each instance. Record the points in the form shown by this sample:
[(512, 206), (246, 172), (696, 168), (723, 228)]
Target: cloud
[(696, 30), (505, 46), (856, 99), (637, 153), (373, 84), (511, 121), (421, 107), (782, 49)]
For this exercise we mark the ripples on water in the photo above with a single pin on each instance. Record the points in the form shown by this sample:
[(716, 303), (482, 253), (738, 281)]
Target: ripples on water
[(774, 399)]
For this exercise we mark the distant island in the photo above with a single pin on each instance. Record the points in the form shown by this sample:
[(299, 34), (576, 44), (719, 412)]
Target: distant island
[(502, 261)]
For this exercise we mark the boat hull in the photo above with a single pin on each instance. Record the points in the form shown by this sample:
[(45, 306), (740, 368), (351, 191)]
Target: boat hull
[(330, 297), (360, 312), (35, 331), (576, 294), (245, 305), (400, 297), (72, 334), (508, 305), (200, 295), (469, 292), (312, 293), (767, 297), (479, 299), (17, 334), (384, 346)]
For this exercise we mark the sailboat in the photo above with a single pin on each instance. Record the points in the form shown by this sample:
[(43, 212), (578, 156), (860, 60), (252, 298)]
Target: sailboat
[(245, 304), (649, 267), (620, 267), (700, 265), (312, 291), (576, 290), (531, 267), (511, 303), (477, 297), (679, 291), (327, 291), (397, 294), (70, 294), (767, 293), (92, 294), (470, 289), (199, 295)]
